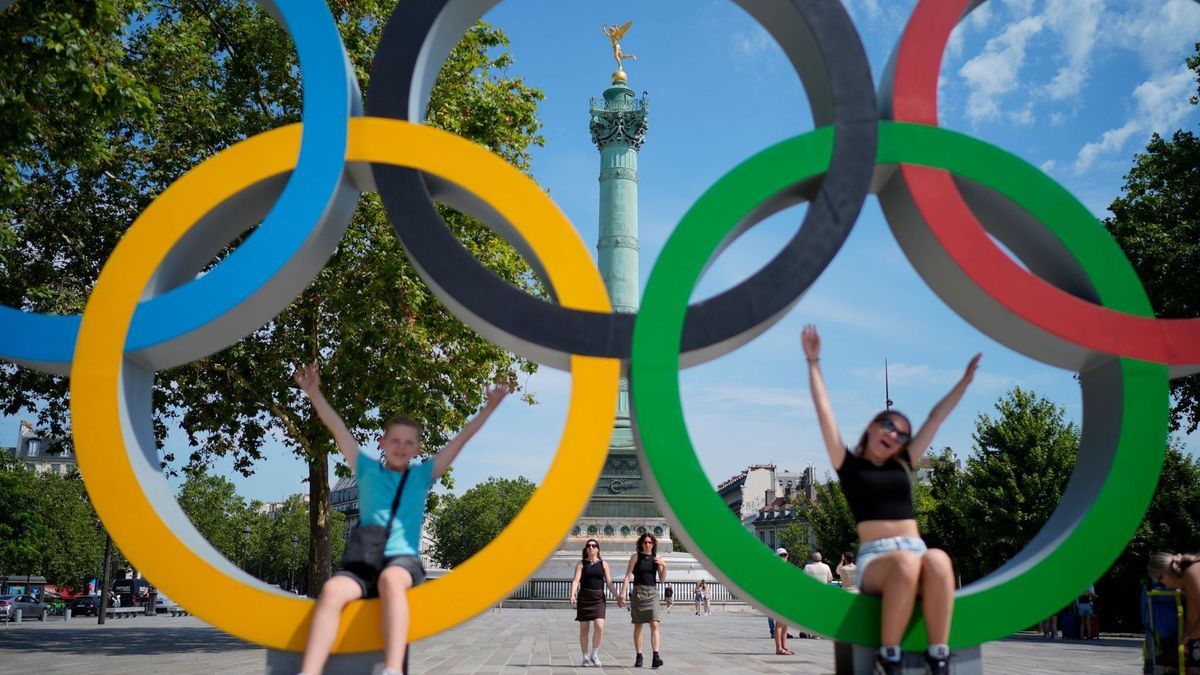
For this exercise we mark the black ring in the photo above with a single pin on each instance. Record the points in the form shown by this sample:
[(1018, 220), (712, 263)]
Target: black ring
[(824, 47)]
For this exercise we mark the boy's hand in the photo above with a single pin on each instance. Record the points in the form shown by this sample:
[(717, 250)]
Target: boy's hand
[(308, 378), (496, 393)]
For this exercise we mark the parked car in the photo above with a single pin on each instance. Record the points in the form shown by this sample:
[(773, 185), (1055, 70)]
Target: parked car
[(85, 605), (30, 607), (163, 604)]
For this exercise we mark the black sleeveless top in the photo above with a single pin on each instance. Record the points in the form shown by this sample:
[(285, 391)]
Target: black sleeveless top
[(592, 578), (644, 570), (876, 492)]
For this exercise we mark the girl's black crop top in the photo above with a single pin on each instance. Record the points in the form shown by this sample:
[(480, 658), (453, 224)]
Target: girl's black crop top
[(876, 491)]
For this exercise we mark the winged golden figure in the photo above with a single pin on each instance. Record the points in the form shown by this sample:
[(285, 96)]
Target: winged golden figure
[(614, 33)]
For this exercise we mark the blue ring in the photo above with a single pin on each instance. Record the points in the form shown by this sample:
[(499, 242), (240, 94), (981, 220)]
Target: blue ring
[(47, 341)]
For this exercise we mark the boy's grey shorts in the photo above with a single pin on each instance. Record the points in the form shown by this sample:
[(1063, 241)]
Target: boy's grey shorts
[(369, 582)]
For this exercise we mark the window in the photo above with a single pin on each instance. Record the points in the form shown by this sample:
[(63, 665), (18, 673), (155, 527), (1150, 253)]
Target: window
[(608, 530), (658, 532), (625, 531), (593, 530), (56, 468), (641, 530)]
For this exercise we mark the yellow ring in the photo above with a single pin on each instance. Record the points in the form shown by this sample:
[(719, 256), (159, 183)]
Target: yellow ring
[(206, 585)]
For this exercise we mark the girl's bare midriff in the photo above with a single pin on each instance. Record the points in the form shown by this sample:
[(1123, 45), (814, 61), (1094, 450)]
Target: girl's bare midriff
[(869, 530)]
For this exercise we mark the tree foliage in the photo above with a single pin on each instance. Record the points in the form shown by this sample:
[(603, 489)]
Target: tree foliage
[(142, 93), (832, 523), (794, 538), (1011, 484), (464, 525), (47, 525), (270, 544), (1156, 220)]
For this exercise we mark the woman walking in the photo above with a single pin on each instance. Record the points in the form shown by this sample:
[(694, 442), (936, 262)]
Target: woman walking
[(876, 478), (587, 597), (644, 566)]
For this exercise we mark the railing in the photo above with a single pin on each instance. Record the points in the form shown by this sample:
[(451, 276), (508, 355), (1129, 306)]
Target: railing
[(642, 103), (560, 590)]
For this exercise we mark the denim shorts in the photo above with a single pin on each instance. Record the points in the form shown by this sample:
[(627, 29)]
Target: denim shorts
[(869, 550)]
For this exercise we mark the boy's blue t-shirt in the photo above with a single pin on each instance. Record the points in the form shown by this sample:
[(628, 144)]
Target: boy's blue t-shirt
[(377, 488)]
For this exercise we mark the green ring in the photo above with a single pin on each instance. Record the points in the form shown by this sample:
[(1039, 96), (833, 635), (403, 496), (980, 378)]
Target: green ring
[(994, 607)]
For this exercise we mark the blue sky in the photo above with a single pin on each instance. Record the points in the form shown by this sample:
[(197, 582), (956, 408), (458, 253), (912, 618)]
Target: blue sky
[(1073, 86)]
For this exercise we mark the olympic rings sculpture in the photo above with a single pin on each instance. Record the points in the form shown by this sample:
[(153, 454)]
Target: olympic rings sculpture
[(1079, 306)]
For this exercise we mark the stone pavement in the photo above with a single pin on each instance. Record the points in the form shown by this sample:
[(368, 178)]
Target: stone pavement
[(513, 641)]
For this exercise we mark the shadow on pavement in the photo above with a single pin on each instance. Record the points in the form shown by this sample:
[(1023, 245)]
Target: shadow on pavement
[(132, 641)]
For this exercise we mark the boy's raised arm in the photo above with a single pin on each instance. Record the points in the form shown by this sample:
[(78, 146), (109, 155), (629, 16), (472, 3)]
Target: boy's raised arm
[(308, 378)]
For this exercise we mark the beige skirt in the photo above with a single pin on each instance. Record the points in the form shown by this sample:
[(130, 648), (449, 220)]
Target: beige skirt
[(644, 605)]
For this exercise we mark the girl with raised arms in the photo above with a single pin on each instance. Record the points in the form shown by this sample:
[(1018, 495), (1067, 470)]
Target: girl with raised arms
[(876, 477)]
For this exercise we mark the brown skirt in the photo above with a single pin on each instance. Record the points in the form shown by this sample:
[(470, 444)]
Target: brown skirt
[(590, 605)]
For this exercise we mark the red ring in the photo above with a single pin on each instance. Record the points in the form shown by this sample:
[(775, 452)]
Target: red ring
[(914, 99)]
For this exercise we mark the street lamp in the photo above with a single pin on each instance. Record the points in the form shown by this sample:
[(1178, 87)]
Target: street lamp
[(292, 564), (245, 544)]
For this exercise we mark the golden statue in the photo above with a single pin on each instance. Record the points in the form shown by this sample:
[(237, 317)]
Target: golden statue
[(615, 33)]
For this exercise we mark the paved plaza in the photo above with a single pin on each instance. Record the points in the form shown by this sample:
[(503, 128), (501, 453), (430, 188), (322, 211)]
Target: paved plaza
[(513, 641)]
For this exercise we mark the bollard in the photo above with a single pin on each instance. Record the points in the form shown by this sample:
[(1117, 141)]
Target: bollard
[(67, 614), (16, 617)]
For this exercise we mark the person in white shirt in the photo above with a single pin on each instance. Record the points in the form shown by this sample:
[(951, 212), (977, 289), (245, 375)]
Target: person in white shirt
[(818, 570)]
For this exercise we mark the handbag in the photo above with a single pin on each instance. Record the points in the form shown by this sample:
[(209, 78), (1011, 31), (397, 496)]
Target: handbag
[(364, 552)]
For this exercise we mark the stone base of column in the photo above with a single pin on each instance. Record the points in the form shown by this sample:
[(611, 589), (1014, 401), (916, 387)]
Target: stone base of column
[(361, 663), (851, 659)]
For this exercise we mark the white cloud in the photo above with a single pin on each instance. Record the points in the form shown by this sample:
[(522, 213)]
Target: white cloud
[(994, 72), (1022, 117), (1155, 30), (1048, 166), (752, 43), (1019, 7), (1161, 103), (1077, 21)]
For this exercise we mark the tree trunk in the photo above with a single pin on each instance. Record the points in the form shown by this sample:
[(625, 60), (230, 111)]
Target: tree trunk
[(319, 564)]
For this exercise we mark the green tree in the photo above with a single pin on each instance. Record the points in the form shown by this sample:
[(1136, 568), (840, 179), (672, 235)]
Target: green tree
[(47, 525), (196, 78), (279, 537), (213, 505), (464, 525), (795, 539), (1014, 480), (72, 545), (1156, 220), (833, 524)]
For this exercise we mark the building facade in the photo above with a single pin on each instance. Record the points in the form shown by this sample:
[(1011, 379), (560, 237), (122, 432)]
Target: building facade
[(43, 454), (760, 485)]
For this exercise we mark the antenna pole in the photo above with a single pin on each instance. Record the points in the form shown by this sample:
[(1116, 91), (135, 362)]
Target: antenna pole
[(887, 396)]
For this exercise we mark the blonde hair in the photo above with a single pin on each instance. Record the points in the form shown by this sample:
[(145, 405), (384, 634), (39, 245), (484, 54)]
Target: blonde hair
[(1173, 564)]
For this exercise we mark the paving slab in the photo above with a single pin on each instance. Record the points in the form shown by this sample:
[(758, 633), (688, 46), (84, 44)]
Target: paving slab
[(511, 642)]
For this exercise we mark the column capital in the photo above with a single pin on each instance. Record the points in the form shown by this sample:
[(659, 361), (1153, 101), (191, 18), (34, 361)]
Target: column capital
[(619, 117)]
